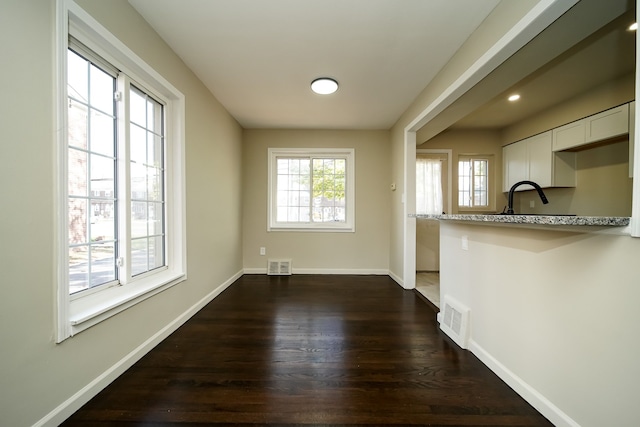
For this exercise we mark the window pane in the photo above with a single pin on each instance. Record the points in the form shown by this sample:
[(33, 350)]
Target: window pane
[(77, 172), (103, 266), (77, 77), (78, 221), (137, 108), (138, 182), (102, 133), (77, 124), (139, 214), (154, 183), (139, 256), (91, 175), (156, 252), (138, 144), (78, 268), (102, 220), (147, 183), (154, 150), (102, 88)]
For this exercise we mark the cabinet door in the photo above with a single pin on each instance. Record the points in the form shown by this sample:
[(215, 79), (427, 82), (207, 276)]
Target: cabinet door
[(515, 164), (608, 124), (540, 159), (570, 135)]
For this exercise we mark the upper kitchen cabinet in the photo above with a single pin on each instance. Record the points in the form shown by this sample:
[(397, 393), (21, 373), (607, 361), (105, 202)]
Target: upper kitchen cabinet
[(599, 127), (532, 159)]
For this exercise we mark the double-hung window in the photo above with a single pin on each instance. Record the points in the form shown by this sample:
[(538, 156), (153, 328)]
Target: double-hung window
[(474, 183), (311, 189), (120, 176)]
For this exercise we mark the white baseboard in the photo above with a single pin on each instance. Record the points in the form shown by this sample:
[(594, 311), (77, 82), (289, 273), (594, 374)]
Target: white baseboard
[(528, 393), (396, 278), (75, 402)]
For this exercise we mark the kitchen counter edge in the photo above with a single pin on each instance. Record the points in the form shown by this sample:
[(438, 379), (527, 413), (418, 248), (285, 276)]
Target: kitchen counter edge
[(546, 220)]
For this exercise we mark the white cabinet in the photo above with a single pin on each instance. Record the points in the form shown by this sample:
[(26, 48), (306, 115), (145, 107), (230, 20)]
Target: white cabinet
[(532, 159), (598, 127)]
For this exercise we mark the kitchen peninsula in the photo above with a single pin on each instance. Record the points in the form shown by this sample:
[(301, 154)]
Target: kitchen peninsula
[(538, 219), (530, 284)]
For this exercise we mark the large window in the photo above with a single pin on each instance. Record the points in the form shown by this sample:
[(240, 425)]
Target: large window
[(311, 189), (121, 176), (474, 183), (101, 239)]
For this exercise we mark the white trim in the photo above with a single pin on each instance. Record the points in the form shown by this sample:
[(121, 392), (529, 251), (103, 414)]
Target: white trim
[(528, 393), (396, 278), (75, 402), (635, 202), (77, 314), (349, 226)]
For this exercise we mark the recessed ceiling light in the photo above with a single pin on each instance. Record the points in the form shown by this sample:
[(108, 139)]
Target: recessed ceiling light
[(514, 97), (324, 86), (633, 27)]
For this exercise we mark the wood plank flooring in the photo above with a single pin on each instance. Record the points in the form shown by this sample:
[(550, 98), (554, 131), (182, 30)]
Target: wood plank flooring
[(314, 350)]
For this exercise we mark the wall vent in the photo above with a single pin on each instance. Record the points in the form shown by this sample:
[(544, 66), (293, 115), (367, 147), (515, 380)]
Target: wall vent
[(279, 267), (455, 321)]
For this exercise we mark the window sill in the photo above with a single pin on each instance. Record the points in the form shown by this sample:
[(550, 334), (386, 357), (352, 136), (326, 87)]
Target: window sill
[(90, 310)]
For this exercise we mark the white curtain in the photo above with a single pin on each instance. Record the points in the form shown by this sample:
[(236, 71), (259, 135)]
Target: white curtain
[(428, 186)]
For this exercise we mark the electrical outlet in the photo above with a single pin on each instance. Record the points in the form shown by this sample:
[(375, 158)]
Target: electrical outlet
[(263, 250), (532, 203), (465, 243)]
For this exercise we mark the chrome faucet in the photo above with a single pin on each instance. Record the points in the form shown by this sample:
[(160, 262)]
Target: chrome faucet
[(516, 185)]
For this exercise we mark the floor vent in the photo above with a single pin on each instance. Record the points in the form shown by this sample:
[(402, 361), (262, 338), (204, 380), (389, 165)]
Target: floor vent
[(455, 321), (279, 267)]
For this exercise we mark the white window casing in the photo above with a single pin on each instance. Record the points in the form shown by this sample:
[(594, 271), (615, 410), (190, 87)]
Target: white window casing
[(346, 225), (79, 312)]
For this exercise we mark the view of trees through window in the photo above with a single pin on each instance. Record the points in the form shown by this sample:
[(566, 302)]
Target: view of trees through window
[(310, 189)]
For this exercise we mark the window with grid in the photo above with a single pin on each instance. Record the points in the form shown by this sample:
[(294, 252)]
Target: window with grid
[(473, 182), (97, 186), (120, 176), (311, 189)]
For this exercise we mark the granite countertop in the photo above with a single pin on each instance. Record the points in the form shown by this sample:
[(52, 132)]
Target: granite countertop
[(550, 220)]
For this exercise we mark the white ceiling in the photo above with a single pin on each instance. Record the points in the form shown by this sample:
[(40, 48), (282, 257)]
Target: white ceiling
[(259, 57)]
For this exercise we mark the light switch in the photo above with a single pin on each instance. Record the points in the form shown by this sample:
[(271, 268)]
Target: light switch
[(465, 243)]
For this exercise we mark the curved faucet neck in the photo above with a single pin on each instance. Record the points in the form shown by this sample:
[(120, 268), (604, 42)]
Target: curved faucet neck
[(518, 184)]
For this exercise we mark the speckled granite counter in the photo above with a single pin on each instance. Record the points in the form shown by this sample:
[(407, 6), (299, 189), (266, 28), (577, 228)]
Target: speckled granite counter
[(546, 220)]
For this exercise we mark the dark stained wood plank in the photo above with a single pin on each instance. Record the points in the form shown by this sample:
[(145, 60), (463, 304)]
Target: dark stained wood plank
[(314, 350)]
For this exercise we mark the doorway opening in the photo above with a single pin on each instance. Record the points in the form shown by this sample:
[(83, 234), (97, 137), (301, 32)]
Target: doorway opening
[(433, 196)]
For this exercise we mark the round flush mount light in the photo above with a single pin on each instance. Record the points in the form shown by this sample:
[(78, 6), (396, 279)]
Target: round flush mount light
[(324, 86), (514, 97)]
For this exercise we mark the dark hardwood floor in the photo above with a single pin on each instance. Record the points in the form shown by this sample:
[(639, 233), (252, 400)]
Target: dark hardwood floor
[(315, 350)]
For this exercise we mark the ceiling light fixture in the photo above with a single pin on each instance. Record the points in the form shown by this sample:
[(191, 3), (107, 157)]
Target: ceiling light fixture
[(633, 27), (324, 86), (514, 97)]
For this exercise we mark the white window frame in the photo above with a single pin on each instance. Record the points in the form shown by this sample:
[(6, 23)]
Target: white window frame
[(490, 206), (347, 226), (79, 313)]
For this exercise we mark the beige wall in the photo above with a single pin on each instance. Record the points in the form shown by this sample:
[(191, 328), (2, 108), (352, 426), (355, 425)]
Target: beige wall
[(366, 250), (37, 375), (551, 312), (602, 173)]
